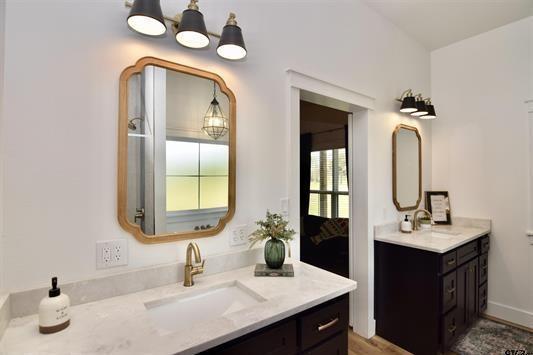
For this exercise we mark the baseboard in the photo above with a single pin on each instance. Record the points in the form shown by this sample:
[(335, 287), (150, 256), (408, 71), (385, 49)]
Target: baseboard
[(498, 320), (510, 314)]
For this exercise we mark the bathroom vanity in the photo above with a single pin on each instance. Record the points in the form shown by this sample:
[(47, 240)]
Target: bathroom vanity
[(229, 312), (430, 286)]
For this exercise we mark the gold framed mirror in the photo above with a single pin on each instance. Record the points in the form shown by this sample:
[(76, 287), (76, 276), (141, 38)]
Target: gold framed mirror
[(176, 152), (406, 168)]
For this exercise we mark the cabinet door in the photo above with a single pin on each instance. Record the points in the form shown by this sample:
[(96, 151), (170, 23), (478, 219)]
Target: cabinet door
[(462, 276), (472, 290)]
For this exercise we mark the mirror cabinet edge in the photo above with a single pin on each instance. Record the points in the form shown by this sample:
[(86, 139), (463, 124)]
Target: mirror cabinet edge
[(394, 165), (122, 168)]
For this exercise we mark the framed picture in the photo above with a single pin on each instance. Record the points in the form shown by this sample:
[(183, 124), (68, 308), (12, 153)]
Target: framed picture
[(438, 203)]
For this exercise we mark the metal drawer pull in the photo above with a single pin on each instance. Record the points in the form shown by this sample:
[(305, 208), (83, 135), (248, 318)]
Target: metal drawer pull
[(451, 261), (451, 290), (329, 324), (485, 267), (452, 329)]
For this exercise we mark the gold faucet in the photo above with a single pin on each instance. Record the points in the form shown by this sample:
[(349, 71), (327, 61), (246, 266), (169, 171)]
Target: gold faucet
[(416, 223), (190, 269)]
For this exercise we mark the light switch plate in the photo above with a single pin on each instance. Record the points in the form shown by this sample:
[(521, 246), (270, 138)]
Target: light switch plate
[(284, 207), (238, 235), (111, 253)]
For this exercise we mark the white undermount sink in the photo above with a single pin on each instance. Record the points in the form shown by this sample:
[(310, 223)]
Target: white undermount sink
[(176, 313)]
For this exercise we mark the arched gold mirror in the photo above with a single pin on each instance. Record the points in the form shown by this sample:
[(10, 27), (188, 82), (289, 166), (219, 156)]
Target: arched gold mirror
[(406, 168), (176, 153)]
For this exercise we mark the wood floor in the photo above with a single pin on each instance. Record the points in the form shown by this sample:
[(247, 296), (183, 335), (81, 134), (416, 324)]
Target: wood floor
[(375, 346)]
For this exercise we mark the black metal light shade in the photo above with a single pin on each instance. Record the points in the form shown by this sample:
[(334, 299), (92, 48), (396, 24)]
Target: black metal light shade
[(408, 104), (231, 45), (192, 32), (431, 113), (146, 18), (421, 108)]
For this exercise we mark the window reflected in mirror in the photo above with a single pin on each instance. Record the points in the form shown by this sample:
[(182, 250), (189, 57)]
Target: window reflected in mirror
[(178, 152)]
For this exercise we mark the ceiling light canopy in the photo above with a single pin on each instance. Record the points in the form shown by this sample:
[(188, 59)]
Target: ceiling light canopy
[(192, 32), (146, 18), (231, 45)]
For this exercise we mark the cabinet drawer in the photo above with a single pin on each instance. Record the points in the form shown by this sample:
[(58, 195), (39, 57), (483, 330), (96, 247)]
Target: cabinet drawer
[(483, 298), (449, 329), (278, 340), (467, 252), (449, 292), (485, 244), (449, 262), (323, 322), (483, 268), (338, 345)]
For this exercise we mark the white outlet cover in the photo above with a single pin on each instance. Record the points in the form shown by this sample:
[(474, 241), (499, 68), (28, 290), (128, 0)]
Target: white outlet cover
[(238, 236), (111, 253)]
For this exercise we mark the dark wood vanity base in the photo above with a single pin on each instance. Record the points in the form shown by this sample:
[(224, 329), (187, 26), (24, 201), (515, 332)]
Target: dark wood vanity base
[(425, 300), (322, 329)]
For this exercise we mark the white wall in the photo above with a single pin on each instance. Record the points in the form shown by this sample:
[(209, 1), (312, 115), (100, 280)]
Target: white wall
[(480, 152), (62, 107)]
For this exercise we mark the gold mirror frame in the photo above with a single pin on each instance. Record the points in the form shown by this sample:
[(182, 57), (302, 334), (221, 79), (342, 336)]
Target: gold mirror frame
[(123, 152), (394, 166)]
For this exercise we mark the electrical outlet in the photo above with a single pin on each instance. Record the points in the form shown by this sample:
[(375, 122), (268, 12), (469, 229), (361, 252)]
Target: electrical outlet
[(238, 235), (110, 253)]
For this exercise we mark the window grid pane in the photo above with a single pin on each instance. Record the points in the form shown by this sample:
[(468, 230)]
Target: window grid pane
[(329, 178)]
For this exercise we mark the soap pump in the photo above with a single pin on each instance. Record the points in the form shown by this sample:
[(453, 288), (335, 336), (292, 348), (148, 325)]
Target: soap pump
[(406, 226), (54, 310)]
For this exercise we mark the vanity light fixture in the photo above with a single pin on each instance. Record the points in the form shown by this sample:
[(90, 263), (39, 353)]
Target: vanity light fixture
[(417, 106), (421, 108), (189, 27), (231, 45), (146, 18), (191, 31), (408, 102), (431, 111), (215, 123)]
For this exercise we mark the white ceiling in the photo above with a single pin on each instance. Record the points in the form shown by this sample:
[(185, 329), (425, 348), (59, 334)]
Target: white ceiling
[(438, 23)]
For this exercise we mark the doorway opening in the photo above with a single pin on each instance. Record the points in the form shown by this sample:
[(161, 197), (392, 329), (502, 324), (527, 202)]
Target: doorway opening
[(324, 187)]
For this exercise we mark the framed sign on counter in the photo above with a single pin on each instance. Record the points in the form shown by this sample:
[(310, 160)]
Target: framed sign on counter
[(438, 204)]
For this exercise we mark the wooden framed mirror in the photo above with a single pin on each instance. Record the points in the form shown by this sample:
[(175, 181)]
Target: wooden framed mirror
[(176, 152), (406, 168)]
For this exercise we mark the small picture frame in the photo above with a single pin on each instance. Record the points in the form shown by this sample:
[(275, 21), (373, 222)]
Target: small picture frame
[(438, 204)]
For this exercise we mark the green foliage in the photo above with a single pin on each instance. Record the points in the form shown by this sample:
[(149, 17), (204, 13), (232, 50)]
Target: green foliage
[(273, 227)]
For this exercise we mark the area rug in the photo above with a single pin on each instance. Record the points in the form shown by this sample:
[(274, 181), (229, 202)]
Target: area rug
[(486, 337)]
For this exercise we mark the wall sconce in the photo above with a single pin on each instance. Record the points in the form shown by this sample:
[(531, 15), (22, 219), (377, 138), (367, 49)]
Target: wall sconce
[(417, 106), (189, 27)]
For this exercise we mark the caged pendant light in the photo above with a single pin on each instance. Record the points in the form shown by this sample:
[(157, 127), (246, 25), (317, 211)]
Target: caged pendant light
[(215, 123)]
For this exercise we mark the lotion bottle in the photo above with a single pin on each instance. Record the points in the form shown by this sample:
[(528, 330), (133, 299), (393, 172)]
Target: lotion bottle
[(406, 226), (54, 310)]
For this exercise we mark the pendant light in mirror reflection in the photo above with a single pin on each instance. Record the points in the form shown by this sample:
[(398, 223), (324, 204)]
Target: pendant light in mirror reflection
[(189, 27), (416, 105), (215, 123), (146, 18)]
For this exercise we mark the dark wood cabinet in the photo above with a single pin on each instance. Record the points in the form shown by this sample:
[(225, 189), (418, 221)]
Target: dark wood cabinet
[(319, 330), (425, 300)]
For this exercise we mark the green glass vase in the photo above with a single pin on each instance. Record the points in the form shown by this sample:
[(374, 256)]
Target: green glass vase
[(274, 253)]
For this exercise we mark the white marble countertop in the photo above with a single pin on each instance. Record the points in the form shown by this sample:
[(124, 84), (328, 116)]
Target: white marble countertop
[(440, 239), (121, 325)]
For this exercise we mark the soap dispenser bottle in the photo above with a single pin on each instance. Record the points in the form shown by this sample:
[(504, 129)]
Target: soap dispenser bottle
[(406, 226), (54, 310)]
